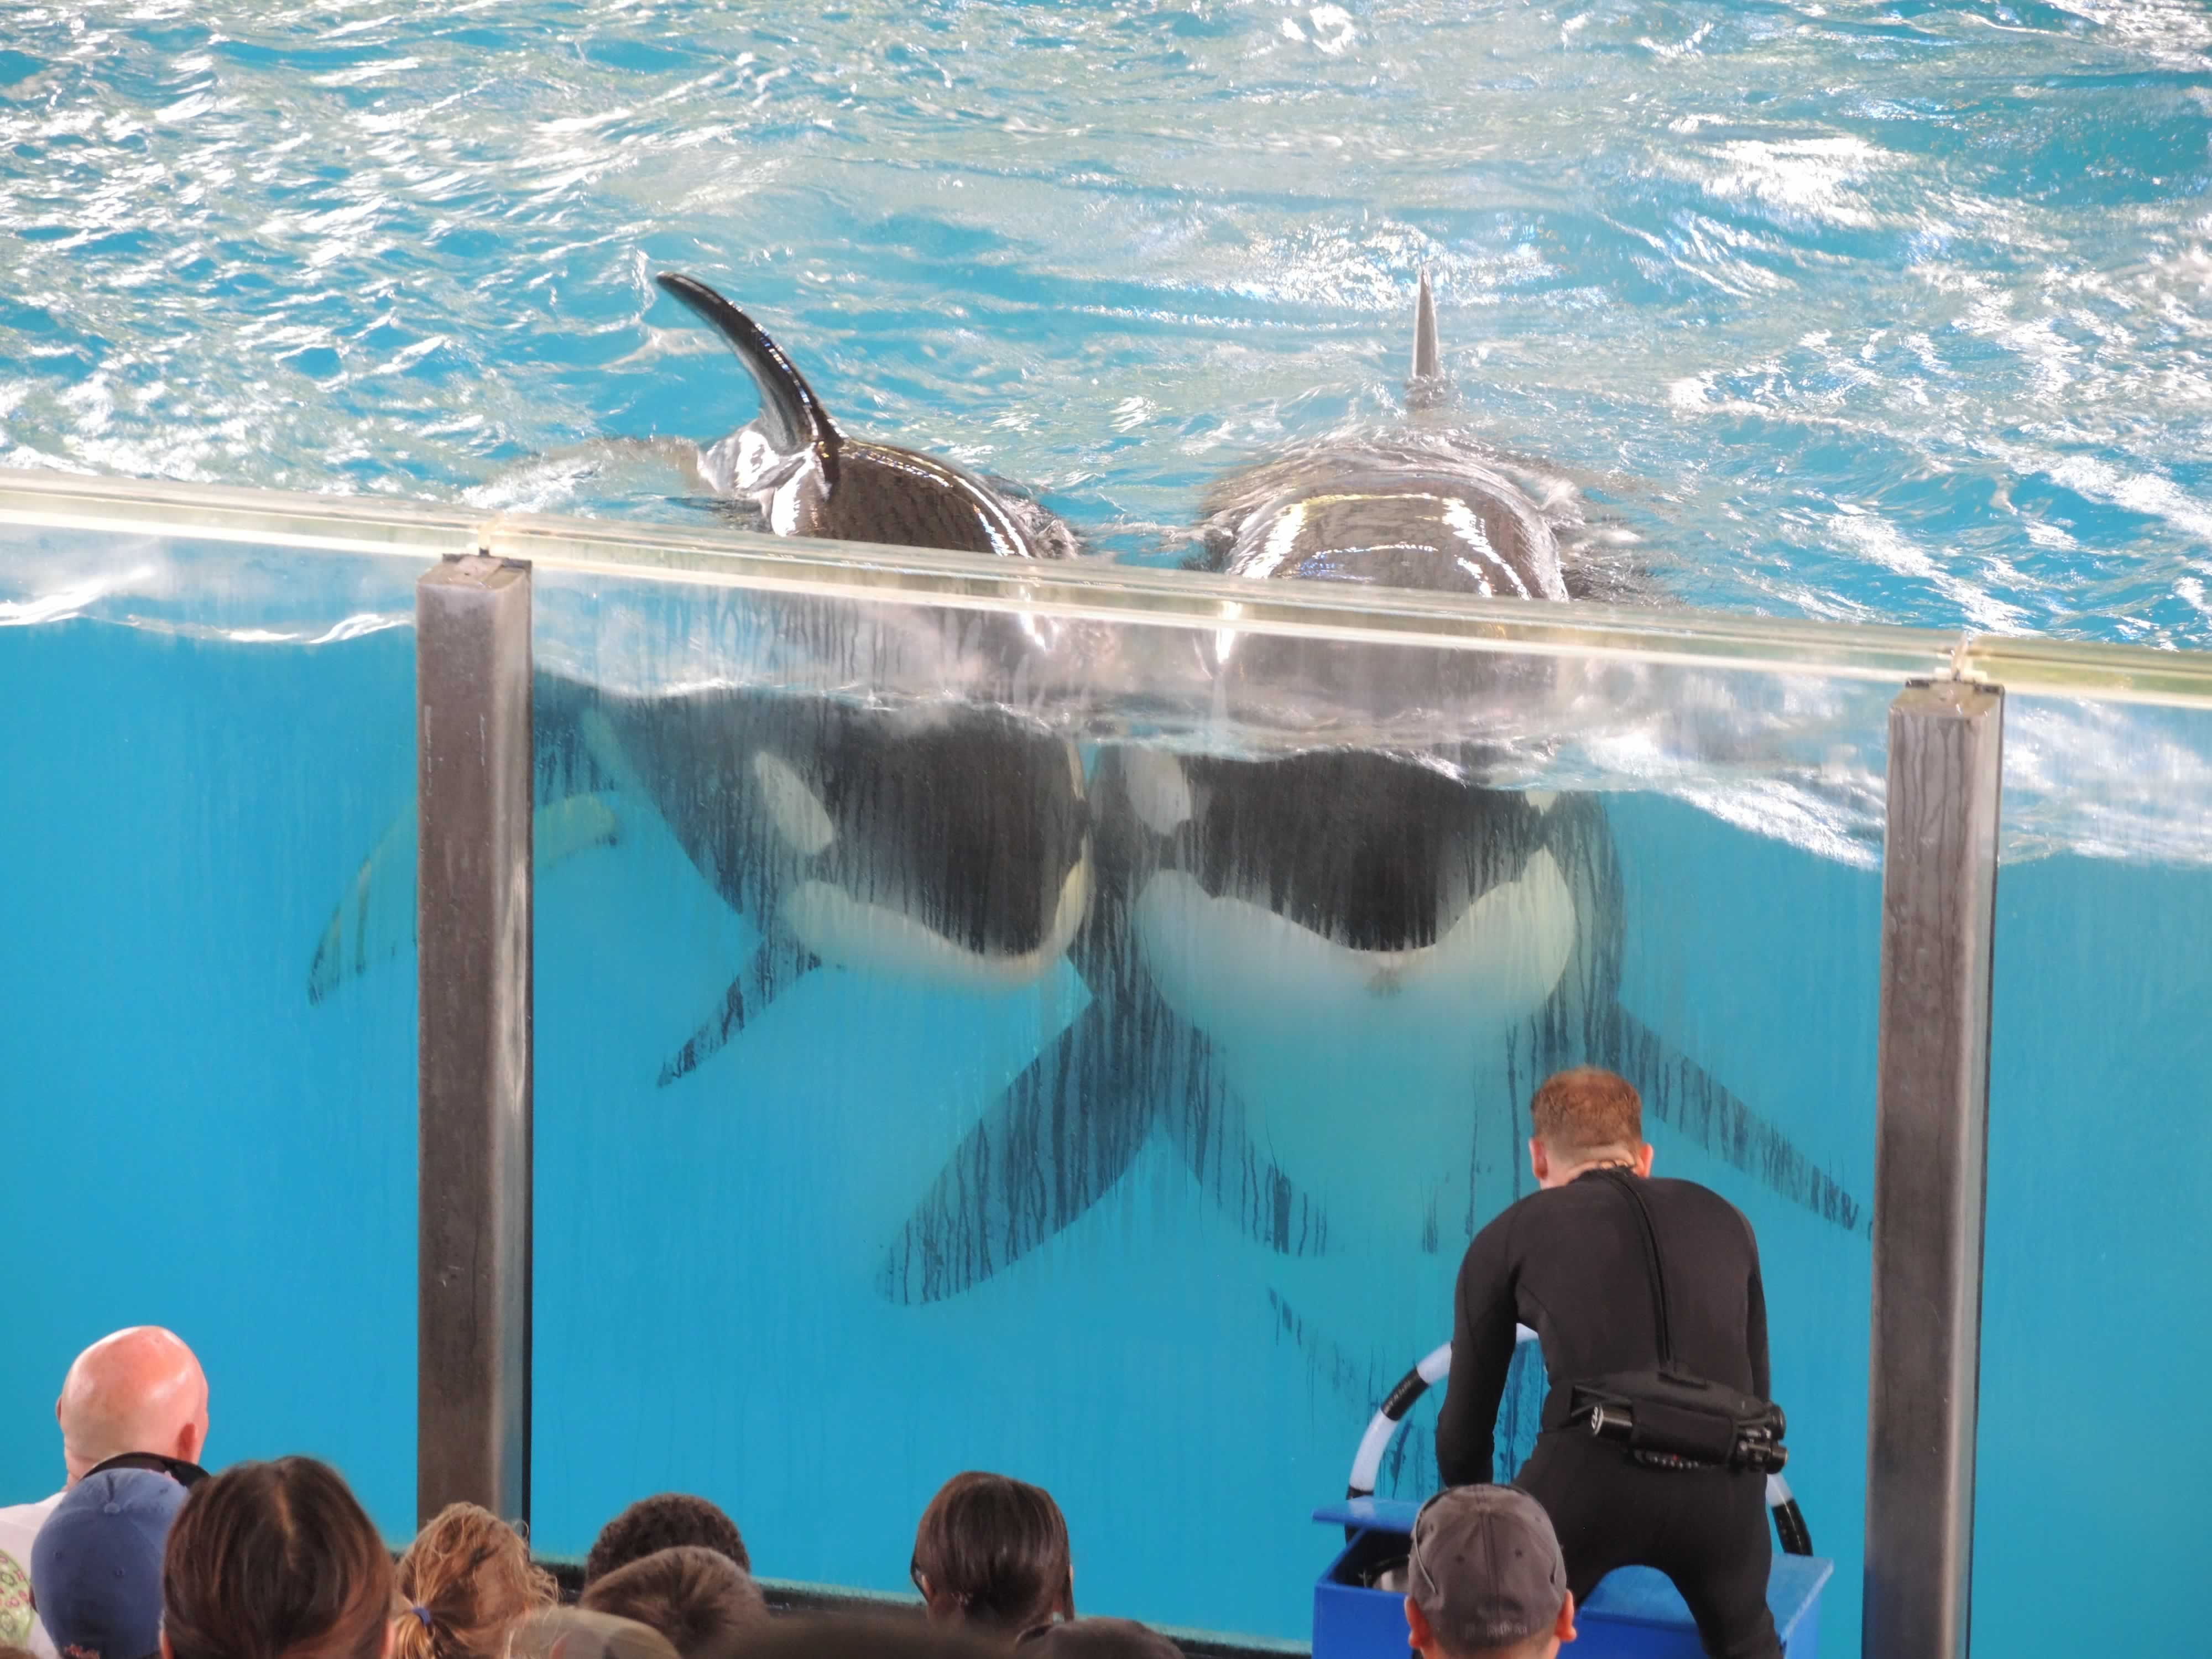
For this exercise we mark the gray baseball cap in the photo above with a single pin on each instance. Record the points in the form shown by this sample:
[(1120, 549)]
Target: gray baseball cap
[(1486, 1570)]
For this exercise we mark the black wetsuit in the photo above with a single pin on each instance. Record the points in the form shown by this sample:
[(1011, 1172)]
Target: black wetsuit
[(1569, 1262)]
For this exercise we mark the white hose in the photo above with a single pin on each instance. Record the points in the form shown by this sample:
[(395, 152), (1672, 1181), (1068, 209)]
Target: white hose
[(1367, 1462), (1375, 1444)]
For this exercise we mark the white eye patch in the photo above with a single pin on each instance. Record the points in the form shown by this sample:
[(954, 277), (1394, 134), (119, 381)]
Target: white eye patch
[(1158, 790), (1541, 799), (796, 811)]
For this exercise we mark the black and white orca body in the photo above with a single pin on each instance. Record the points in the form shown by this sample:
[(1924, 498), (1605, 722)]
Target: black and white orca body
[(1396, 520), (1420, 509), (944, 847), (945, 843), (808, 479), (1254, 909), (1270, 907), (1347, 885)]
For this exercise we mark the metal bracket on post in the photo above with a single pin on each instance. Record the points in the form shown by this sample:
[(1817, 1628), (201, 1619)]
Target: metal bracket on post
[(1938, 924), (473, 925)]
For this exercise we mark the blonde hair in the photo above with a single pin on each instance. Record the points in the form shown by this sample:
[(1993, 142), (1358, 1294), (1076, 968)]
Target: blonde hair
[(468, 1582)]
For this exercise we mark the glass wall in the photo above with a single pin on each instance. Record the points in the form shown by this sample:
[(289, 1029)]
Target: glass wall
[(1072, 1026), (208, 747), (2095, 1324), (1061, 1020)]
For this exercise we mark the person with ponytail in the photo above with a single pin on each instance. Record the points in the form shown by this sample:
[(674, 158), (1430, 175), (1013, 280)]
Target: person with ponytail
[(991, 1554), (465, 1584), (275, 1561)]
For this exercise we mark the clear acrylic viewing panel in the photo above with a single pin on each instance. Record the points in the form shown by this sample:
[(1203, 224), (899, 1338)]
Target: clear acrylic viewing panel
[(1112, 1078), (1137, 1157), (208, 732), (2094, 1320)]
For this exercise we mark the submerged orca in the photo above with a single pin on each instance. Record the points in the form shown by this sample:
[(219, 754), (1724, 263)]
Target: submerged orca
[(949, 846), (947, 841), (1245, 902)]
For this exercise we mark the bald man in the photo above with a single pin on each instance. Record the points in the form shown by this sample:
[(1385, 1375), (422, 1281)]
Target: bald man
[(138, 1391)]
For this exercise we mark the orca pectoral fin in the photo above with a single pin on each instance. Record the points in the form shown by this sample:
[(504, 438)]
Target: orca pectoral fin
[(581, 823), (1685, 1096), (1207, 1122), (758, 983), (1065, 1130), (375, 921)]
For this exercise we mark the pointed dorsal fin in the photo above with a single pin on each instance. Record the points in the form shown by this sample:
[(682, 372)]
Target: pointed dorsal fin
[(791, 415), (1428, 356)]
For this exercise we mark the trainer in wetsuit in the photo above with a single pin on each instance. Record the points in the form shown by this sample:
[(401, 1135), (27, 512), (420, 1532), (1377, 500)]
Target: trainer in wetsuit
[(1569, 1261)]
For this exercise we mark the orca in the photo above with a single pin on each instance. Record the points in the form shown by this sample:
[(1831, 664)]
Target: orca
[(949, 846), (1416, 509), (945, 842), (1245, 902)]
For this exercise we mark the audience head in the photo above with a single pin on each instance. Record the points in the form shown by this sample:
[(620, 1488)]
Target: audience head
[(579, 1633), (993, 1552), (467, 1582), (1583, 1117), (662, 1523), (137, 1390), (96, 1564), (848, 1636), (703, 1603), (275, 1561), (1486, 1580), (1097, 1638)]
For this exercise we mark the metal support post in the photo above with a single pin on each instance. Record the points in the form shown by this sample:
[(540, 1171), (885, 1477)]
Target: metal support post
[(473, 925), (1938, 918)]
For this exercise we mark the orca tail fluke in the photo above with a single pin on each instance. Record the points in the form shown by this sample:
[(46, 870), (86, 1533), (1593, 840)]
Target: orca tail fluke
[(1683, 1096), (791, 415), (758, 984), (1063, 1133)]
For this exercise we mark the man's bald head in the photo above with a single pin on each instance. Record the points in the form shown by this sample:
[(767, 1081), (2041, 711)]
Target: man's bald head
[(138, 1391)]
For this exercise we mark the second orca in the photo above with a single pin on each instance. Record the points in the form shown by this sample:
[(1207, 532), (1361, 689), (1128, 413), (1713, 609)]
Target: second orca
[(1246, 903)]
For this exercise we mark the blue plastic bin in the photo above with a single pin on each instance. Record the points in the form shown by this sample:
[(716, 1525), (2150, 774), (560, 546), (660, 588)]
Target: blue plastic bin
[(1634, 1614)]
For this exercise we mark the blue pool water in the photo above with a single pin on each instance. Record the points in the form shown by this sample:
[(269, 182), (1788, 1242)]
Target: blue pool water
[(1848, 309), (1848, 312), (712, 1309)]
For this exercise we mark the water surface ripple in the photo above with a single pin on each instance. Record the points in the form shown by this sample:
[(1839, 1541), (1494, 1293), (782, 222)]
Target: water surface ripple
[(1885, 311)]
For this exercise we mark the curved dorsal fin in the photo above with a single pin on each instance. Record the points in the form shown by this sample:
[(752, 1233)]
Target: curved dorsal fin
[(791, 415), (1427, 353)]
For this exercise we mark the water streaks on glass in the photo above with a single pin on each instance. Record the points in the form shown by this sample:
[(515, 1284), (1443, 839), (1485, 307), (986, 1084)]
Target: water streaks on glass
[(1060, 1017)]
